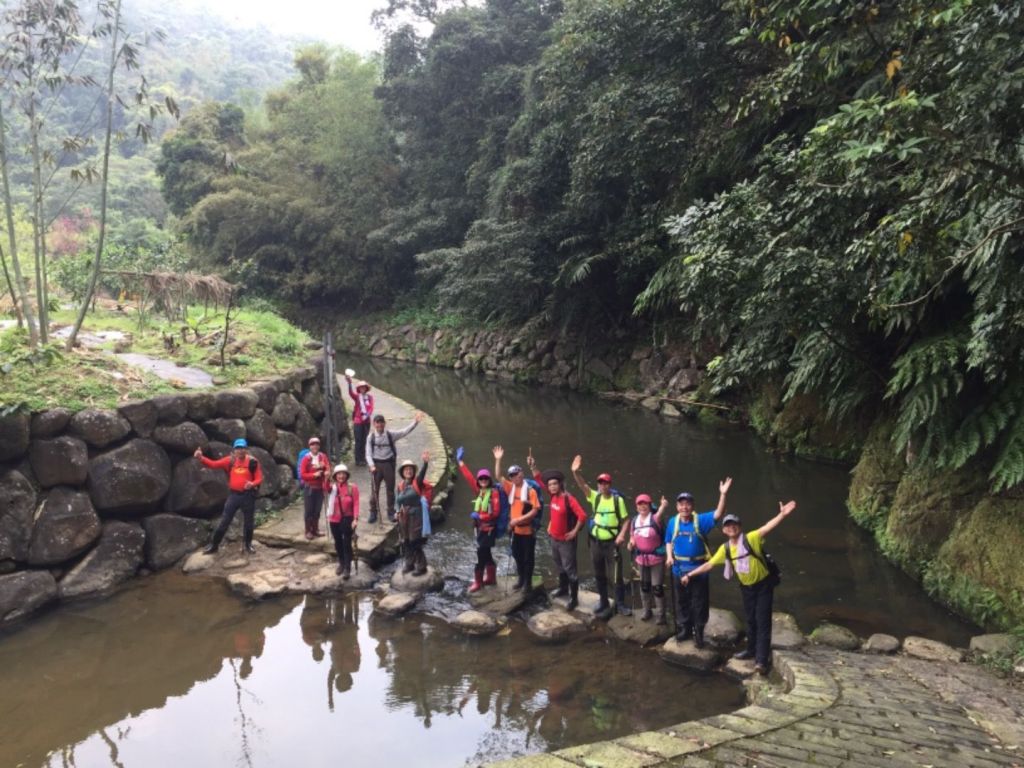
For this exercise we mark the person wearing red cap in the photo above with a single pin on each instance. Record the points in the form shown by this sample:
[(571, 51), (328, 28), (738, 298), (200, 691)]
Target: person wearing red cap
[(314, 474), (362, 415), (609, 515), (646, 534), (486, 511), (565, 521)]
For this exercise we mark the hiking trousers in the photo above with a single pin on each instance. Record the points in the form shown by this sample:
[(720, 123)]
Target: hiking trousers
[(237, 500), (564, 555), (692, 606), (314, 502), (602, 557), (757, 604), (524, 550), (484, 545), (360, 432), (342, 533), (385, 474)]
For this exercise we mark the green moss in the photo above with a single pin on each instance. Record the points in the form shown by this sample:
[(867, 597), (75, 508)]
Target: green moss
[(875, 479), (627, 377)]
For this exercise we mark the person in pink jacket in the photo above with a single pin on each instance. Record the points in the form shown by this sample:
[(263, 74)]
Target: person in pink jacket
[(342, 516), (362, 415)]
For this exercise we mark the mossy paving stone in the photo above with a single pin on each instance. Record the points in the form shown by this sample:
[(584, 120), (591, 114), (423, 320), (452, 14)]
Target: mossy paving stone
[(756, 753), (607, 754), (769, 718), (543, 760), (701, 732), (737, 724), (660, 744)]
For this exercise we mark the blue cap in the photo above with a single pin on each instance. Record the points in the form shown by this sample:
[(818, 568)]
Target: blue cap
[(240, 443)]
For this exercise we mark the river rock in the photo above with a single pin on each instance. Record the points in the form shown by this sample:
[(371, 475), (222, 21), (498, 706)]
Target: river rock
[(99, 428), (266, 395), (931, 650), (651, 403), (141, 414), (60, 461), (286, 410), (274, 480), (501, 599), (50, 423), (476, 623), (305, 427), (723, 628), (997, 644), (259, 584), (196, 491), (397, 603), (555, 625), (201, 406), (66, 525), (261, 430), (313, 398), (14, 436), (169, 538), (130, 479), (431, 581), (198, 561), (17, 508), (25, 592), (632, 630), (835, 636), (236, 403), (600, 369), (740, 669), (786, 634), (286, 449), (326, 579), (224, 430), (171, 409), (686, 654), (181, 438), (115, 559), (669, 411), (881, 643)]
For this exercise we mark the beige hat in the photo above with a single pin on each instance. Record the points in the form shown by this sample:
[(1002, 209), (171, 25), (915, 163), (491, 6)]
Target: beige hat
[(340, 468)]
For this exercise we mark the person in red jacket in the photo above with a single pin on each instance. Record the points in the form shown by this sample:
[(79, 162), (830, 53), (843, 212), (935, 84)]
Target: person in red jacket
[(486, 510), (362, 415), (342, 516), (313, 471), (244, 478), (565, 522)]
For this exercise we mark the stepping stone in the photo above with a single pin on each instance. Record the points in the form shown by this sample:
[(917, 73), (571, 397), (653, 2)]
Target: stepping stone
[(476, 623), (881, 643), (197, 561), (258, 584), (555, 625), (501, 600), (741, 669), (686, 654), (835, 636), (998, 644), (431, 581), (397, 603), (588, 601), (326, 579), (236, 562), (786, 634), (931, 650), (643, 633), (318, 558), (723, 628)]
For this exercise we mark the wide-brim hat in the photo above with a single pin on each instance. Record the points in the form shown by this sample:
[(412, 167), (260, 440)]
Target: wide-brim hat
[(340, 468), (553, 474)]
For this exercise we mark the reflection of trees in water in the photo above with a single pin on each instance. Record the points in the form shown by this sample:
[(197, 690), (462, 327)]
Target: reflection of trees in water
[(247, 727)]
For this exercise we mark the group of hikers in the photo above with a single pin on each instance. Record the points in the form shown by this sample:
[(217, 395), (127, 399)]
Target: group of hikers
[(514, 503)]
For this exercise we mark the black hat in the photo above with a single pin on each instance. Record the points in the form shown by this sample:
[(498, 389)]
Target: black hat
[(553, 474)]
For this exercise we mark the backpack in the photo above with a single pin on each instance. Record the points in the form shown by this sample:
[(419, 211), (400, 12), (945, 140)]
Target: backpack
[(253, 466), (424, 489), (298, 462), (539, 517), (696, 530), (620, 504), (774, 577), (504, 513), (659, 551)]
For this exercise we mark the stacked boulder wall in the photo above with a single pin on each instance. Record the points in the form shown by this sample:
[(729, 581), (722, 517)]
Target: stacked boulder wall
[(181, 438), (99, 428), (141, 414), (66, 525), (130, 480), (25, 592), (14, 436), (17, 507), (115, 559), (196, 491), (62, 460), (169, 538)]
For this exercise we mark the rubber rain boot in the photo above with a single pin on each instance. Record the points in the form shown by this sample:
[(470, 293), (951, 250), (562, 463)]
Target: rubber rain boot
[(645, 599), (421, 563), (698, 635), (659, 608), (478, 583), (574, 596), (563, 586), (490, 575), (620, 600), (602, 591)]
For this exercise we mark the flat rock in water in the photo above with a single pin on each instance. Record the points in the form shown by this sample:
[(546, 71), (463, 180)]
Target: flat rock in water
[(234, 563), (835, 636), (587, 600), (326, 579), (476, 623), (931, 650), (198, 561), (723, 628), (317, 558), (555, 625), (643, 633), (881, 643), (501, 599), (113, 560), (397, 603), (25, 592), (431, 581), (999, 643), (741, 669), (258, 584), (686, 654), (786, 634)]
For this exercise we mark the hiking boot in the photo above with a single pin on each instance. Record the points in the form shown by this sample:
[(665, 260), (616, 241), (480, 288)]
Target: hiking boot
[(347, 575), (391, 517), (685, 634), (490, 575), (210, 549), (318, 534), (659, 608), (648, 614), (620, 601), (249, 549), (408, 566), (563, 586), (574, 595), (743, 655), (698, 636), (339, 570), (478, 583), (373, 517), (761, 669), (421, 570), (309, 536)]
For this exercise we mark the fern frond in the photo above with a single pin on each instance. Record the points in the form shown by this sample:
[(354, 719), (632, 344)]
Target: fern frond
[(1008, 469)]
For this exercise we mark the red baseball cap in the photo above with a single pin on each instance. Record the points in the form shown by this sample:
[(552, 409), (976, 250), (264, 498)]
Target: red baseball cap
[(604, 477), (643, 498)]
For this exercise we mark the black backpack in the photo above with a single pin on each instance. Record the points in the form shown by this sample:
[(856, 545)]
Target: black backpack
[(774, 577)]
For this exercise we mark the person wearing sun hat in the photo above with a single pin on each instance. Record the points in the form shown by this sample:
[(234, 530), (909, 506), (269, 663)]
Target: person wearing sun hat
[(342, 516), (362, 415), (313, 471), (565, 521)]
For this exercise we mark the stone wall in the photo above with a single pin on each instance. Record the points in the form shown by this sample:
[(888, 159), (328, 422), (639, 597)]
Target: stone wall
[(90, 499)]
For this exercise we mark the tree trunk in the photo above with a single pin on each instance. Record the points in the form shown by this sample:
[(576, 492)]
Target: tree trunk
[(10, 288), (38, 225)]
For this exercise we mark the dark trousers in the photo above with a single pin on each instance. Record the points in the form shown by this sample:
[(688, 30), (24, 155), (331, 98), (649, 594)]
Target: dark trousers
[(757, 604), (385, 474), (237, 500), (523, 550), (484, 544), (415, 557), (692, 601), (342, 533), (359, 435), (314, 498)]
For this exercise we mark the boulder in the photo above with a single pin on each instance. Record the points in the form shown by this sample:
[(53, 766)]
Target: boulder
[(740, 669), (181, 438), (141, 414), (196, 491), (49, 423), (476, 623), (266, 395), (305, 427), (931, 650), (723, 628), (169, 538), (99, 428), (171, 409), (201, 406), (686, 654), (286, 410), (555, 626), (600, 369), (881, 643), (998, 644), (17, 508), (630, 629), (66, 525), (287, 447), (198, 561), (60, 461), (313, 398), (115, 559), (502, 599), (786, 634), (431, 581), (273, 478), (14, 436), (259, 584), (835, 636), (651, 403), (261, 430), (236, 403), (224, 430), (131, 479), (669, 411), (24, 592)]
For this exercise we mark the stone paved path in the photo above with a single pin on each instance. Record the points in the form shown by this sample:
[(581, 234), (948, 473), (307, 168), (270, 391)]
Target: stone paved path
[(378, 541), (842, 709)]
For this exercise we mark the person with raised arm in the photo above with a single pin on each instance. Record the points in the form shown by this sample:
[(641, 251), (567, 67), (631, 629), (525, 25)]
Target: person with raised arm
[(566, 520), (244, 478), (609, 513), (524, 505), (362, 415), (486, 513), (744, 555), (381, 457), (646, 534)]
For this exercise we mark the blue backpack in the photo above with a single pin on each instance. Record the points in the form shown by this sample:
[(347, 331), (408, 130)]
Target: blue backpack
[(298, 462), (504, 513), (539, 517)]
